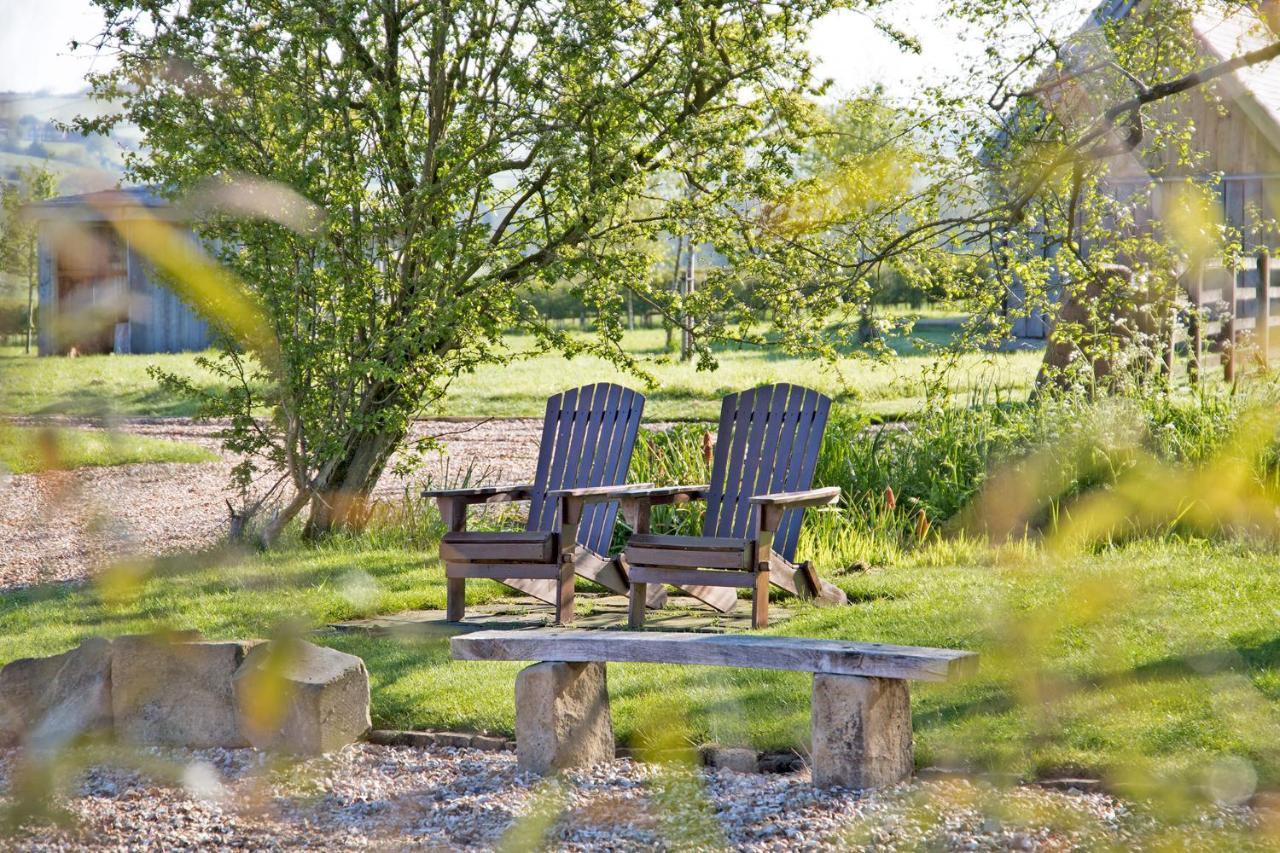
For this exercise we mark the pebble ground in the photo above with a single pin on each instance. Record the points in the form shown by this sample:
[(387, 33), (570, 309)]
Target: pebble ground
[(388, 798)]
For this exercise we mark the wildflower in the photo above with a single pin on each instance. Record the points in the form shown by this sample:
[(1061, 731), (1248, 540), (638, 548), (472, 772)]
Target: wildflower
[(922, 524), (707, 447), (890, 500)]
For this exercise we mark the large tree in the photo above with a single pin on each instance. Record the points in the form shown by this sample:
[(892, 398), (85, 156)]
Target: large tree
[(464, 153)]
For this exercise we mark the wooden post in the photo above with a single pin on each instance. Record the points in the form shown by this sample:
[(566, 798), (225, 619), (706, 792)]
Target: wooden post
[(1263, 324), (1196, 288), (637, 514), (1229, 328), (570, 516), (454, 513)]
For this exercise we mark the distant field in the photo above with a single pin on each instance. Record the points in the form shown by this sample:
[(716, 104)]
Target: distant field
[(120, 385), (885, 388), (24, 450)]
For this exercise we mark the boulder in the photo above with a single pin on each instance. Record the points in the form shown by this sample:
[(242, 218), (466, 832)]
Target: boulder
[(45, 702), (733, 758), (168, 693), (300, 698), (562, 717)]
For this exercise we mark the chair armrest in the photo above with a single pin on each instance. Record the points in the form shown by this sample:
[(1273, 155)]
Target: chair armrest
[(483, 494), (773, 507), (668, 494), (635, 492), (792, 500), (597, 494)]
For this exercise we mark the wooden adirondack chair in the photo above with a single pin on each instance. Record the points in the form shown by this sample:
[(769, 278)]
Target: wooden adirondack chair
[(587, 438), (766, 451)]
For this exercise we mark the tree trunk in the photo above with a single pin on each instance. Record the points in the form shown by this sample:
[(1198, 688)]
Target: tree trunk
[(341, 502)]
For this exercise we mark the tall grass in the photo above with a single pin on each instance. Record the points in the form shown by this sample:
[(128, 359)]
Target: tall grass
[(910, 483)]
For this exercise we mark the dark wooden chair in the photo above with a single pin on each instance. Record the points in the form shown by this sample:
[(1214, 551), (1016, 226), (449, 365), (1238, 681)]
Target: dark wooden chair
[(762, 471), (587, 439)]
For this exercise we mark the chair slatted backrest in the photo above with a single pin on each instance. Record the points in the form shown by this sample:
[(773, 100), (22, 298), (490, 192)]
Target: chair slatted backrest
[(767, 442), (587, 439)]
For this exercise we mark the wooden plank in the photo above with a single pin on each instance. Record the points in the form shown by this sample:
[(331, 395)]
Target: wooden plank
[(600, 569), (751, 460), (595, 459), (751, 651), (721, 524), (630, 415), (1264, 308), (787, 439), (541, 589), (551, 425), (815, 410), (507, 492), (478, 547), (701, 543), (693, 577), (558, 451), (713, 559), (719, 598), (502, 571), (719, 464), (1229, 330)]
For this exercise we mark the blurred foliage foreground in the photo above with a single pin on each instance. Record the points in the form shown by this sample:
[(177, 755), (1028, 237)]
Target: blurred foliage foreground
[(1113, 561)]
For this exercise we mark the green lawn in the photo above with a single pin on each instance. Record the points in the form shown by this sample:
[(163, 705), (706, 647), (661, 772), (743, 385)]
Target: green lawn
[(92, 386), (1147, 664), (120, 385), (27, 449)]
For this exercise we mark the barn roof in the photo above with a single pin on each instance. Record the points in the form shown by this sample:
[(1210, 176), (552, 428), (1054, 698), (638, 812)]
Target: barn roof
[(1256, 89), (101, 206)]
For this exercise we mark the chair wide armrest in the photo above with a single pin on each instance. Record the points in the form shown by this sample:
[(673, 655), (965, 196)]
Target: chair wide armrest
[(791, 500), (668, 494), (596, 494), (483, 494), (636, 492)]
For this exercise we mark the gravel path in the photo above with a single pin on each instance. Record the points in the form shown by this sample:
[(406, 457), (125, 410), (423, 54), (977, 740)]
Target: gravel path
[(61, 526), (391, 798)]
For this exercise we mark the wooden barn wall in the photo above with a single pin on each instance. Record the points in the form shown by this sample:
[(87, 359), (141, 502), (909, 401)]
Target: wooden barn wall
[(1223, 131), (168, 323), (159, 320)]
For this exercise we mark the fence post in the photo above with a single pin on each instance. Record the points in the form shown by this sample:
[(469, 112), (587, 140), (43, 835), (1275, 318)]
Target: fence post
[(1229, 327), (1263, 330), (1197, 327)]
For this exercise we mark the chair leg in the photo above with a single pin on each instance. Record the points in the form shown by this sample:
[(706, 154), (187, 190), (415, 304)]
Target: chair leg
[(564, 594), (455, 599), (760, 601), (636, 604)]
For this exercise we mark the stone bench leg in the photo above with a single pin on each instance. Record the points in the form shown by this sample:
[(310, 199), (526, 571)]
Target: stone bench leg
[(562, 717), (861, 731)]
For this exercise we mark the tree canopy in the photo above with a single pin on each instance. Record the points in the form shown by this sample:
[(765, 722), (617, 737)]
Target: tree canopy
[(467, 154)]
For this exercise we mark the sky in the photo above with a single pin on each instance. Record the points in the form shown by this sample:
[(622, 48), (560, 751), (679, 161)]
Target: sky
[(35, 53)]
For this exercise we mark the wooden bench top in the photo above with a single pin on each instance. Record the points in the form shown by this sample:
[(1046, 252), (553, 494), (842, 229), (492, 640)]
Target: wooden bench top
[(752, 651)]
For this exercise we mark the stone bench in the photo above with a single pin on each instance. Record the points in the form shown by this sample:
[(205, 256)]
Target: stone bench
[(860, 712)]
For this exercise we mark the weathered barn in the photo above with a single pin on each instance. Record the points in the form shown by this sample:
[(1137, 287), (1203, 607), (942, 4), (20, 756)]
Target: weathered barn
[(97, 294), (1237, 127)]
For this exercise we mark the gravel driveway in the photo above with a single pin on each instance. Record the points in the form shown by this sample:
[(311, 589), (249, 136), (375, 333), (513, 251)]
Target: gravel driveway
[(393, 798), (61, 526)]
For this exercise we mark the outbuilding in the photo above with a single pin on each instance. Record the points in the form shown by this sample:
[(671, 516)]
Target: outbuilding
[(97, 293)]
